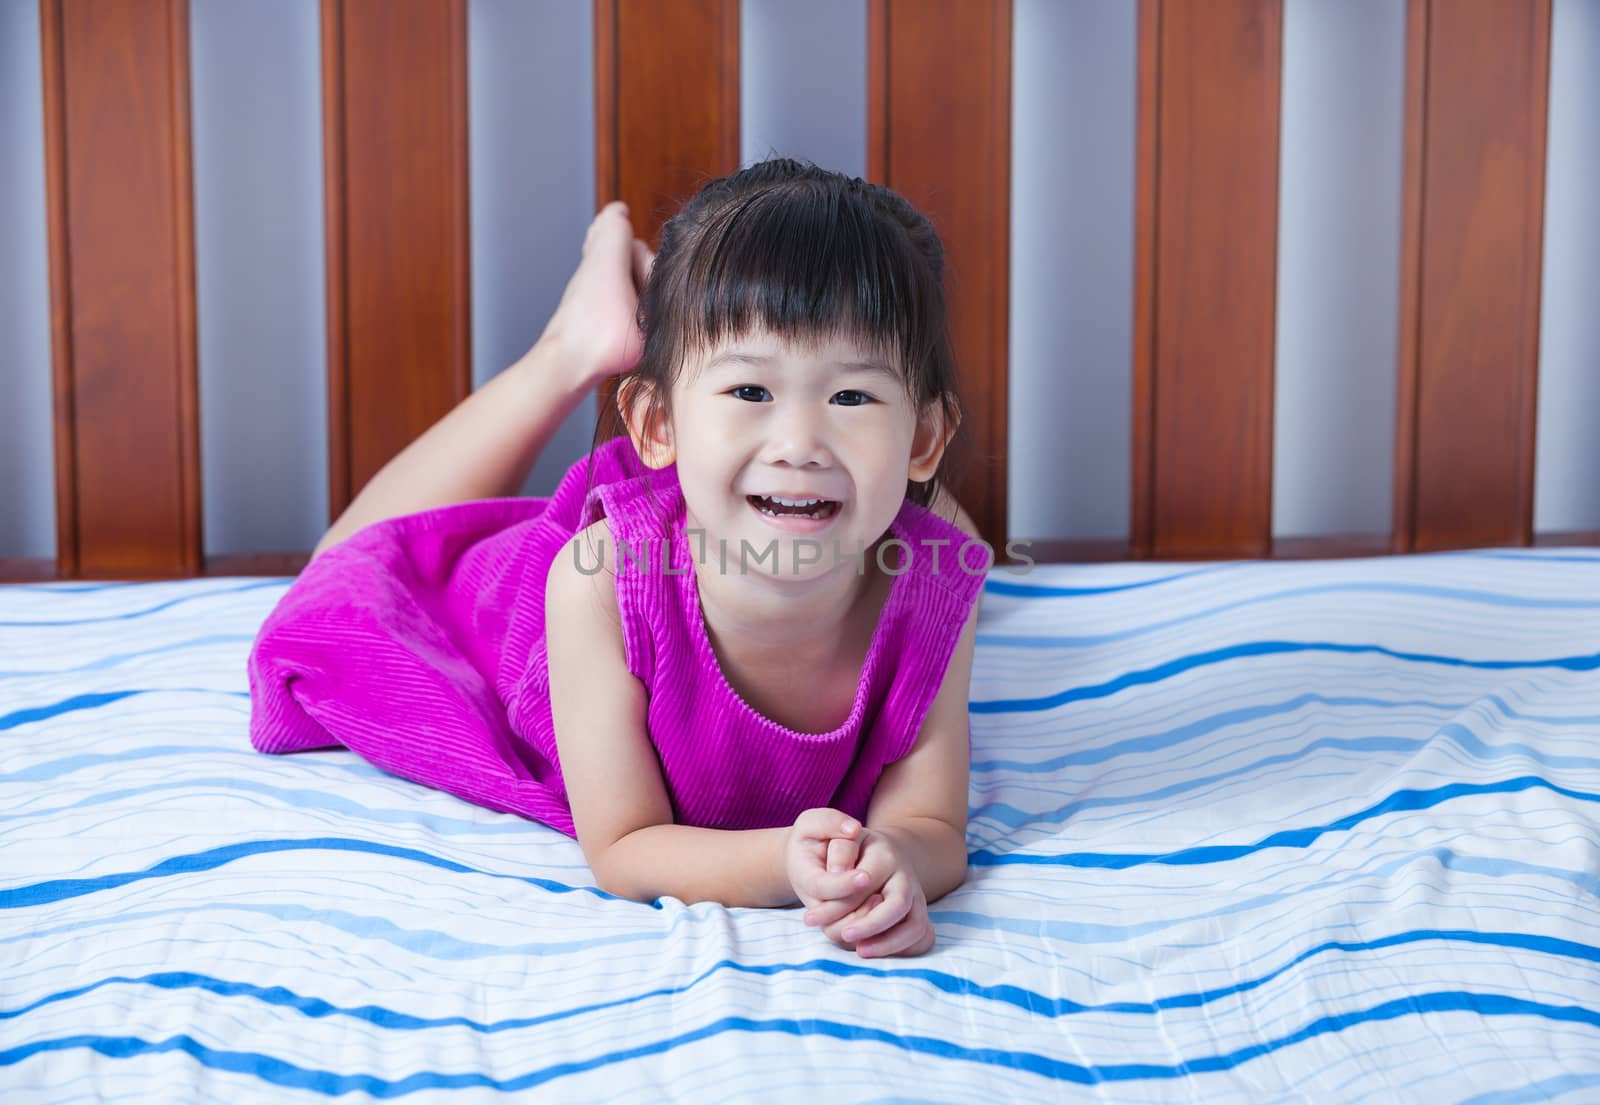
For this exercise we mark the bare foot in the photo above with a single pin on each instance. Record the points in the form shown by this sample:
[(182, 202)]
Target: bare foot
[(597, 318)]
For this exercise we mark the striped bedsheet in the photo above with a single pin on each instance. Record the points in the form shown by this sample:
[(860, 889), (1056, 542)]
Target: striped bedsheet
[(1241, 832)]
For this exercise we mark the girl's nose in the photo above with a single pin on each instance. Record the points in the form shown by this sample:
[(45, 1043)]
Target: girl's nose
[(796, 438)]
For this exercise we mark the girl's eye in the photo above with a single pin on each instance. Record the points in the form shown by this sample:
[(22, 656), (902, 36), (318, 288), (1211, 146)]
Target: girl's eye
[(746, 388), (853, 398)]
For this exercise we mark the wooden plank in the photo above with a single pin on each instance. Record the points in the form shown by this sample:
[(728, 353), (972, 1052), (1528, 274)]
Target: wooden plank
[(27, 569), (1405, 437), (939, 133), (257, 564), (606, 185), (398, 244), (51, 65), (120, 218), (1206, 238), (333, 236), (1473, 236), (1330, 547), (662, 127), (1147, 174)]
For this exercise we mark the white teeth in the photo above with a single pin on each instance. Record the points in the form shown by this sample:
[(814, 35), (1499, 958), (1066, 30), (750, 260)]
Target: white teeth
[(808, 508)]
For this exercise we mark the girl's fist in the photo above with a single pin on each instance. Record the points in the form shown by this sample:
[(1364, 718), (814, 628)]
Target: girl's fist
[(806, 856), (893, 919)]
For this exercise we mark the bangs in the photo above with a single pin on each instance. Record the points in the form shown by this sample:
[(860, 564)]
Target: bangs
[(808, 265), (808, 256)]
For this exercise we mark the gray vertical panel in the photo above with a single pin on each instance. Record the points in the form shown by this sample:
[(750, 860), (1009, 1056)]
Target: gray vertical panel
[(27, 437), (1074, 94), (256, 72), (1338, 266), (1566, 492), (803, 82), (531, 121)]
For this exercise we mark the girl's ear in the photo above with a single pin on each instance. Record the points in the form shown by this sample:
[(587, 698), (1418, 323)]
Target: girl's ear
[(648, 425), (935, 427)]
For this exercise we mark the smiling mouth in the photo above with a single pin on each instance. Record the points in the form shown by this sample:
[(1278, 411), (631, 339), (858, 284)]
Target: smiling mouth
[(792, 508)]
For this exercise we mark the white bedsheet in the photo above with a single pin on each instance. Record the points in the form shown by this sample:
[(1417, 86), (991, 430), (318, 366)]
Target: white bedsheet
[(1242, 832)]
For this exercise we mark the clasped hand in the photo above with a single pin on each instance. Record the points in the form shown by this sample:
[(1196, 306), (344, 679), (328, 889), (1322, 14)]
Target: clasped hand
[(857, 885)]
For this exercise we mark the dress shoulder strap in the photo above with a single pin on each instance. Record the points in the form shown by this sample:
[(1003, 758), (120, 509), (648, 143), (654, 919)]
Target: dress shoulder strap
[(639, 508), (946, 562)]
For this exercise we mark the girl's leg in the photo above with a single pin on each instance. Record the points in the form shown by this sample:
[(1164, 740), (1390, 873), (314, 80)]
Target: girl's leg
[(483, 449), (487, 445)]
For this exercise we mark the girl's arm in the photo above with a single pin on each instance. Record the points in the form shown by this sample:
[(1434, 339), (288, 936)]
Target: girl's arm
[(736, 867), (482, 449), (620, 808), (920, 801)]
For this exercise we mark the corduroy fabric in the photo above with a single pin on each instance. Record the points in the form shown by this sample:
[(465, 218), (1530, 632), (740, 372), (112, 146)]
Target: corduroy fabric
[(419, 643)]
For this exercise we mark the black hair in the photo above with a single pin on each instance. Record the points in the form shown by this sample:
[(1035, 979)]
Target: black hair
[(806, 254)]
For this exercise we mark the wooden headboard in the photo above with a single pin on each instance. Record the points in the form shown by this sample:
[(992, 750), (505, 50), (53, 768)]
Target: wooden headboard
[(122, 269)]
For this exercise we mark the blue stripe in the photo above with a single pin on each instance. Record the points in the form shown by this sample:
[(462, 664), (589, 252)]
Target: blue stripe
[(282, 1073), (59, 587), (1005, 814), (1262, 648), (1233, 908), (1291, 838), (56, 890), (1166, 740), (995, 586), (282, 584), (1541, 557), (426, 943), (65, 706), (1582, 881), (302, 799), (69, 587), (1171, 738), (1002, 813), (54, 769), (1491, 598), (1028, 1001), (94, 701), (1546, 1090), (375, 1015), (117, 658)]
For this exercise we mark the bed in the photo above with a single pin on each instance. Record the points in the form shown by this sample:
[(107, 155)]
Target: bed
[(1240, 832), (1243, 828)]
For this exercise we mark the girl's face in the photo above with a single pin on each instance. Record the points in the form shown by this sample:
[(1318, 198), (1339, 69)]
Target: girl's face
[(759, 419)]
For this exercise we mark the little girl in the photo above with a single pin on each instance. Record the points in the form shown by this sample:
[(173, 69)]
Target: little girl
[(731, 653)]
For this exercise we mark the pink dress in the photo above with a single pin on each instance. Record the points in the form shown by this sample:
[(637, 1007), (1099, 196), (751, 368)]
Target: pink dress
[(419, 643)]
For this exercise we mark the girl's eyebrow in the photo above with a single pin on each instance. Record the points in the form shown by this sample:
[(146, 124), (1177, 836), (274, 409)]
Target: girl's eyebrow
[(736, 357)]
